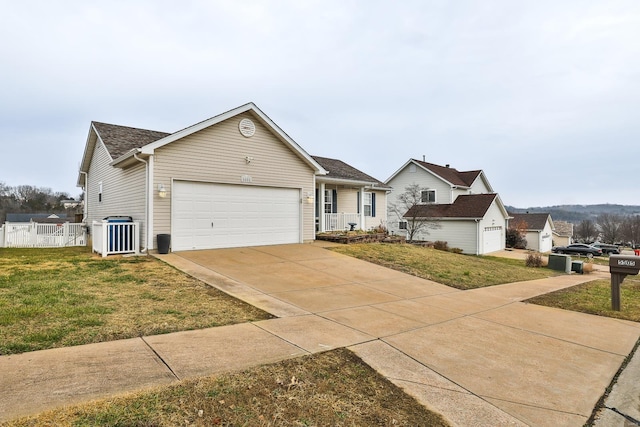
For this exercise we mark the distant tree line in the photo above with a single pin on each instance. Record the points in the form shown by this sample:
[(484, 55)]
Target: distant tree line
[(578, 213), (30, 199), (609, 228)]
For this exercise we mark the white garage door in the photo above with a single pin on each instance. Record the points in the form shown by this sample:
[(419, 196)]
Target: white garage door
[(492, 239), (207, 216)]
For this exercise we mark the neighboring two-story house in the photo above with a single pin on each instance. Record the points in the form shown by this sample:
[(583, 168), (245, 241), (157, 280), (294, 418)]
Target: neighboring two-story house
[(468, 213)]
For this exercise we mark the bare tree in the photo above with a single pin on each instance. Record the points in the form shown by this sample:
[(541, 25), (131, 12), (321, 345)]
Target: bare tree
[(586, 231), (631, 229), (610, 226), (29, 199), (416, 224)]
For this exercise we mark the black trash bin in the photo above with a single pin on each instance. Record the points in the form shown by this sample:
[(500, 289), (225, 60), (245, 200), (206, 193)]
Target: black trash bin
[(164, 241)]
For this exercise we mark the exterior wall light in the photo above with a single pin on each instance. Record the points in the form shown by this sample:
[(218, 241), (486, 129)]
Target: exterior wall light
[(309, 197), (162, 192)]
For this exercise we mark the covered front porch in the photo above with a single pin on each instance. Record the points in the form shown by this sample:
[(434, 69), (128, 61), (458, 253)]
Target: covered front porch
[(346, 198)]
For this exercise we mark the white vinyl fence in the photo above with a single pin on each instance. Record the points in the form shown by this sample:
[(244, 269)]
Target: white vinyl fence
[(110, 238), (35, 235)]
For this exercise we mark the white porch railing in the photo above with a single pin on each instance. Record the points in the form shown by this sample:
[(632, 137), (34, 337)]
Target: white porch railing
[(35, 235), (109, 238), (340, 221)]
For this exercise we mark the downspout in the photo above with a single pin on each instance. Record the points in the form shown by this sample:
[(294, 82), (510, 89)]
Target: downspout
[(146, 204), (478, 236), (86, 196)]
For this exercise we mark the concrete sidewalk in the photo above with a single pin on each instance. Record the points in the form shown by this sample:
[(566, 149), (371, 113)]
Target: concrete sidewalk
[(479, 357)]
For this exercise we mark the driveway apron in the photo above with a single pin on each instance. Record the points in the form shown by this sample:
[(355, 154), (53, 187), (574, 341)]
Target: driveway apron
[(479, 357)]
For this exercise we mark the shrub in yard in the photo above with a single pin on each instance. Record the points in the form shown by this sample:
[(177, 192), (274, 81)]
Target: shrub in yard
[(441, 245), (456, 250), (587, 267), (534, 260), (515, 239)]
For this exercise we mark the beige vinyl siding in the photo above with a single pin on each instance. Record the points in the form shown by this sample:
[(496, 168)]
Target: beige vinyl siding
[(217, 154), (123, 191), (348, 203), (381, 212)]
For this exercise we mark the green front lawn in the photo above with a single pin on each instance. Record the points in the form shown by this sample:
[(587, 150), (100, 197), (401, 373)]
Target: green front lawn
[(68, 296)]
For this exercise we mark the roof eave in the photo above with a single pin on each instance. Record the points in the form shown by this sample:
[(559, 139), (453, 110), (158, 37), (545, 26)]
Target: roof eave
[(128, 158), (347, 181)]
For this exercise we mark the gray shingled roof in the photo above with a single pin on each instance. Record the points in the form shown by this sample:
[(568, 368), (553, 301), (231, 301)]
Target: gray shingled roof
[(122, 139), (563, 228), (465, 206), (340, 170), (451, 175), (534, 221)]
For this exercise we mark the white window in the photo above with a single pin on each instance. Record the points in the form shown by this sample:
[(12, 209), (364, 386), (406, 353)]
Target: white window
[(402, 225), (328, 201), (367, 204), (428, 196)]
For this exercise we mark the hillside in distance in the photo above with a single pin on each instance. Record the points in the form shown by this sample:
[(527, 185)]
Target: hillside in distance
[(577, 213)]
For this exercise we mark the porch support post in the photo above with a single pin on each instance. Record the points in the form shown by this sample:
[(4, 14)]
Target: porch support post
[(361, 208), (321, 203)]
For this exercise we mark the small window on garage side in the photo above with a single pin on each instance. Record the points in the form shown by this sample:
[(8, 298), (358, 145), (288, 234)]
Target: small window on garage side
[(100, 191), (428, 196), (402, 225)]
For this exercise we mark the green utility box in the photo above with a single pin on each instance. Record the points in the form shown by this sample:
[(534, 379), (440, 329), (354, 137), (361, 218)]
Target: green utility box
[(577, 267), (560, 262)]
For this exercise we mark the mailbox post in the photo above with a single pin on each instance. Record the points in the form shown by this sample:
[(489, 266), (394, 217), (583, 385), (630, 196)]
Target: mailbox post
[(619, 267)]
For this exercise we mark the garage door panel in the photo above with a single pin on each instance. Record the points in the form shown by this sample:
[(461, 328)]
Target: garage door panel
[(492, 239), (241, 215)]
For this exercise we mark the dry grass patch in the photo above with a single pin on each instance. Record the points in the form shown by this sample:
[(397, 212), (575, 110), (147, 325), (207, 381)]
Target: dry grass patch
[(455, 270), (595, 298), (68, 296), (329, 389)]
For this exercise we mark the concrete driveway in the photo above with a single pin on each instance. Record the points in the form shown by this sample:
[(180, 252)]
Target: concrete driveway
[(480, 357)]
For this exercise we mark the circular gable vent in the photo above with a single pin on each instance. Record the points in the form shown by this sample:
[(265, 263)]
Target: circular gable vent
[(247, 128)]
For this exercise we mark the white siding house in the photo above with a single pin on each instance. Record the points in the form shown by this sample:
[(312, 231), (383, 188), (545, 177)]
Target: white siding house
[(539, 229), (467, 214)]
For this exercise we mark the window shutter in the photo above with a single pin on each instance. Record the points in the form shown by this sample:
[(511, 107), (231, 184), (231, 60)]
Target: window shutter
[(334, 201), (318, 203), (373, 204), (358, 193)]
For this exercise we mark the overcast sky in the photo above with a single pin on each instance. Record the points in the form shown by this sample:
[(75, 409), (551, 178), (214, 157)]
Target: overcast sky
[(544, 95)]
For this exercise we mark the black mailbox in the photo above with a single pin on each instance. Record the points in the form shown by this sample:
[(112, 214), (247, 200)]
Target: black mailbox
[(619, 267), (625, 264)]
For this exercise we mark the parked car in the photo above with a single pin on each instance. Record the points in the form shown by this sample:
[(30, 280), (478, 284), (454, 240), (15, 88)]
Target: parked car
[(606, 248), (577, 249)]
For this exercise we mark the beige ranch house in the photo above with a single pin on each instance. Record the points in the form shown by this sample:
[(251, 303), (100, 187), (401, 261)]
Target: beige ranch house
[(233, 180)]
